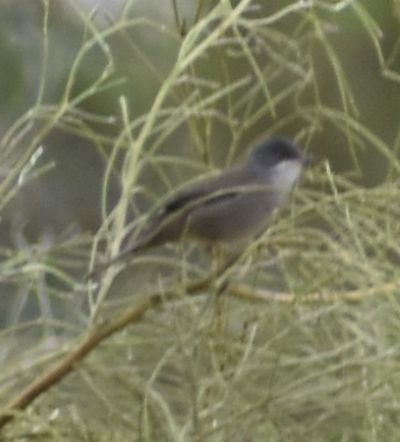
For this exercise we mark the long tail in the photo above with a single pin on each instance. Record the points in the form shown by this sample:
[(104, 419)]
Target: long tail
[(153, 235)]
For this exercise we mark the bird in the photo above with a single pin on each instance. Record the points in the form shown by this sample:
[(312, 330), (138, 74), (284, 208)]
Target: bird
[(227, 208)]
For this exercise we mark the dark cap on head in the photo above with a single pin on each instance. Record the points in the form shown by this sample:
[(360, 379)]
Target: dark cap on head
[(274, 150)]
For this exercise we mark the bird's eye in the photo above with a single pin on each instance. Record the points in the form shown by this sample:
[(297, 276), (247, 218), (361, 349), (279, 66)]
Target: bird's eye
[(284, 154)]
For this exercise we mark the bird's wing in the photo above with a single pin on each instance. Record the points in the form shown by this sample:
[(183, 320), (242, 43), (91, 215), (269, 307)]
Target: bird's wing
[(221, 187)]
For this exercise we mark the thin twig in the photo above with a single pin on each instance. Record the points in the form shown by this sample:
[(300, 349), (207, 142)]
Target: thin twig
[(136, 310), (89, 342)]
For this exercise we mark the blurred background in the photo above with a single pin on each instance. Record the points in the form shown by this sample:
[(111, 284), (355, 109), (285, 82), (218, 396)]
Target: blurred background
[(70, 192), (79, 80)]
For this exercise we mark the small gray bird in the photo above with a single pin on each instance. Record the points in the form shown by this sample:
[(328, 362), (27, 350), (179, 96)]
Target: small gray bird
[(231, 206)]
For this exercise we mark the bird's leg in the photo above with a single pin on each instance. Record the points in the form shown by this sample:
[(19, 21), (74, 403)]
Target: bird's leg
[(218, 304), (216, 256)]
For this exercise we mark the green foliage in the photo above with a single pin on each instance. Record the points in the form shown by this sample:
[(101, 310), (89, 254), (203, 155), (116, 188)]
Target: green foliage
[(298, 338)]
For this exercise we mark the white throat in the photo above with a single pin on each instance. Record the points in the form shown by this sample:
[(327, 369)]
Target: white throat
[(285, 174)]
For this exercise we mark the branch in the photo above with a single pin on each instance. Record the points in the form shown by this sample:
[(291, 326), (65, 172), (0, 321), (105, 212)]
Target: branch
[(135, 312), (89, 342)]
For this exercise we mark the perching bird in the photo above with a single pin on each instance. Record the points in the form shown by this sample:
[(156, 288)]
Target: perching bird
[(229, 207)]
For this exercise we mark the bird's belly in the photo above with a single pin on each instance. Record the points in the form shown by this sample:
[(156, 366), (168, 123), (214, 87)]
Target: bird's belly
[(229, 220)]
